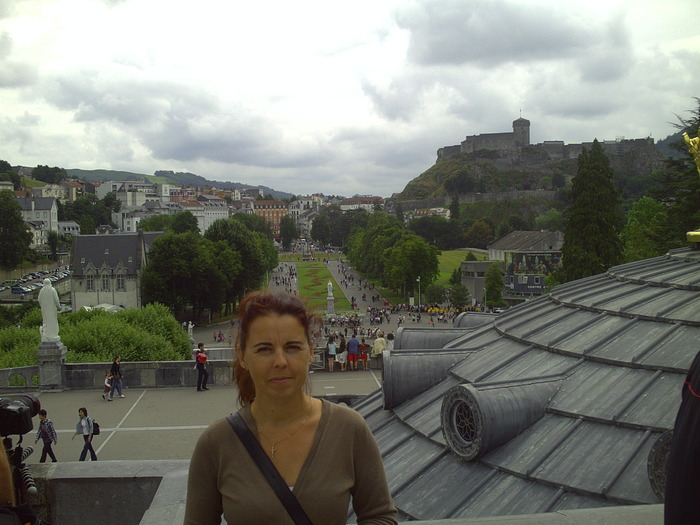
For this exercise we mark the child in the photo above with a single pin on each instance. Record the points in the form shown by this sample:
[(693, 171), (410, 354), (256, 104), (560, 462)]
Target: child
[(47, 433), (364, 354), (108, 386)]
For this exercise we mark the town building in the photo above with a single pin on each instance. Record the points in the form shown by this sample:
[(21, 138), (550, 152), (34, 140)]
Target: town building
[(107, 268), (367, 203), (272, 211), (527, 257), (41, 209)]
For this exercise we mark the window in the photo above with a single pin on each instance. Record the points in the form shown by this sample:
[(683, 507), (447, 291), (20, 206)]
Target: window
[(90, 283), (105, 283), (121, 285)]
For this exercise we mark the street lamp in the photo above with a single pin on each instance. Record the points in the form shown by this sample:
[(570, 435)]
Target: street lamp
[(418, 281)]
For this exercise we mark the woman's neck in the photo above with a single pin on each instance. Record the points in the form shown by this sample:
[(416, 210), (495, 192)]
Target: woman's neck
[(280, 412)]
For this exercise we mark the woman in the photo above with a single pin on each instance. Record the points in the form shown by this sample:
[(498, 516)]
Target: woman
[(325, 453), (85, 428), (330, 353), (116, 377), (342, 355)]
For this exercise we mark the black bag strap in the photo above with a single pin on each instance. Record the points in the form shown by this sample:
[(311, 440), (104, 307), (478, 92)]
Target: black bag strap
[(272, 475)]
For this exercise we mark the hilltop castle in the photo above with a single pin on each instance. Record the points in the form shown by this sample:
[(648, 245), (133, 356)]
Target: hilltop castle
[(511, 144)]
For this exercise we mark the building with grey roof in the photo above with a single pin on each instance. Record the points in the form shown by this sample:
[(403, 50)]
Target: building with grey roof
[(107, 268), (563, 402)]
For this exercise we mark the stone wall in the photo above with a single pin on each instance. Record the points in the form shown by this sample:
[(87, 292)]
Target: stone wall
[(471, 198), (85, 376)]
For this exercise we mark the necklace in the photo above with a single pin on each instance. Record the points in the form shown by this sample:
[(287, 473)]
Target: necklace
[(273, 444)]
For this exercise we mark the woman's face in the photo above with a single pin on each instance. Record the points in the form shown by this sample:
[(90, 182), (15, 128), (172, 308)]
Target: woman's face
[(277, 355), (82, 414)]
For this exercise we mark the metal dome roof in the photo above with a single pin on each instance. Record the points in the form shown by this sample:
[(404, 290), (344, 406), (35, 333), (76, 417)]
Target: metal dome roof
[(555, 404)]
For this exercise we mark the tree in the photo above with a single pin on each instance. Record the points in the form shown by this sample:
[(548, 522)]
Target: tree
[(454, 208), (321, 230), (52, 240), (288, 231), (399, 212), (86, 205), (110, 201), (493, 286), (255, 260), (255, 223), (49, 175), (15, 237), (552, 221), (459, 296), (7, 173), (156, 223), (443, 233), (434, 294), (646, 233), (479, 235), (184, 269), (87, 225), (558, 180), (678, 185), (593, 224), (407, 259), (184, 221), (456, 276)]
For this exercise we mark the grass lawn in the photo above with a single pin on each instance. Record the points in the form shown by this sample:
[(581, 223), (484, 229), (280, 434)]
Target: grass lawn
[(449, 260), (313, 281)]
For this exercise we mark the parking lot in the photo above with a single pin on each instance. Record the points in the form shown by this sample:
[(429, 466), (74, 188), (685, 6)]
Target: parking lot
[(28, 285)]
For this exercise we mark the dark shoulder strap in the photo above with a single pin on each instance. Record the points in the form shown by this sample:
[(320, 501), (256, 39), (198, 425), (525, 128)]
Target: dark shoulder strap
[(268, 470)]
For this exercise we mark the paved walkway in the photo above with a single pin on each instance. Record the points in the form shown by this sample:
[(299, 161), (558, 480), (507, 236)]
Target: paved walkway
[(164, 423)]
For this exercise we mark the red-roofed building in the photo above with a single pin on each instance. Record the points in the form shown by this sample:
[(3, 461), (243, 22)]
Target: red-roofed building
[(272, 212)]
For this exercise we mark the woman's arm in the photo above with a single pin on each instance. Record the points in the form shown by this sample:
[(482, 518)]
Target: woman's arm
[(371, 498), (204, 506)]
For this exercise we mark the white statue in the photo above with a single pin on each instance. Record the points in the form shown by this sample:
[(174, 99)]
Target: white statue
[(48, 300), (330, 289), (190, 328)]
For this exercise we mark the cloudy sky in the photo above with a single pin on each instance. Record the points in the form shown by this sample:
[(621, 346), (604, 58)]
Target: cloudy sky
[(326, 96)]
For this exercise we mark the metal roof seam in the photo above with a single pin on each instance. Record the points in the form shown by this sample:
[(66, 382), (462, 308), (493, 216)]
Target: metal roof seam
[(645, 385), (623, 466)]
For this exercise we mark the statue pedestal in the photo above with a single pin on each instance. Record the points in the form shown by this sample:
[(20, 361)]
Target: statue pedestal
[(51, 356), (330, 307)]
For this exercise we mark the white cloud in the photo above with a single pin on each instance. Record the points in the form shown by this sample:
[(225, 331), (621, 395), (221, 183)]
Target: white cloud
[(321, 96)]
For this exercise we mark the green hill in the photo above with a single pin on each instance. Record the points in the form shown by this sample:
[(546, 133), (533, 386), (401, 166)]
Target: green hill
[(167, 177)]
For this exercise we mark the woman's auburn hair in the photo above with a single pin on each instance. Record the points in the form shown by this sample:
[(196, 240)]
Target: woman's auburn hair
[(259, 304)]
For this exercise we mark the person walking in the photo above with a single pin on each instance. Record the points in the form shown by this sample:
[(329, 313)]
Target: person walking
[(85, 428), (116, 377), (108, 386), (330, 353), (202, 373), (47, 433)]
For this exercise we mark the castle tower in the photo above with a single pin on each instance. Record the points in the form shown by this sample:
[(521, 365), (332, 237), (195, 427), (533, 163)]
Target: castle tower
[(521, 132)]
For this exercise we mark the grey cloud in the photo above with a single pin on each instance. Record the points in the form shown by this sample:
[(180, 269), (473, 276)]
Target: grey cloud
[(496, 32), (15, 74), (95, 96)]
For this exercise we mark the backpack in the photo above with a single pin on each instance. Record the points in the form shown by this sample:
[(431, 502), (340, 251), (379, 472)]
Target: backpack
[(95, 428)]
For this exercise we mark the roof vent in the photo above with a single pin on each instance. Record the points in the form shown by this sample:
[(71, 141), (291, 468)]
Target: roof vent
[(476, 420)]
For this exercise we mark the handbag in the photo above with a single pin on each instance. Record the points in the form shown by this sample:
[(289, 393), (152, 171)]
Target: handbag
[(272, 475)]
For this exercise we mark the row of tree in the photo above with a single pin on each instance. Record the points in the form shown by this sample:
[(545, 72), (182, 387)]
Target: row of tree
[(210, 272)]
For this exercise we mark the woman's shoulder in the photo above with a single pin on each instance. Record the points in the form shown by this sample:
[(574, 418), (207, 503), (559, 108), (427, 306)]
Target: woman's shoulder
[(341, 414)]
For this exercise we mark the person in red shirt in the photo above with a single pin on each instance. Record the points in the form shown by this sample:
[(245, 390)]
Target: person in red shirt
[(202, 373)]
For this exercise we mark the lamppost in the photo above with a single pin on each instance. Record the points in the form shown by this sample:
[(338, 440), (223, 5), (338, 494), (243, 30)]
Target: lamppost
[(418, 281)]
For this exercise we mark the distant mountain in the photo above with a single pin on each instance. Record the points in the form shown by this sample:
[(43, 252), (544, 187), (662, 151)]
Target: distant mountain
[(163, 176), (665, 145)]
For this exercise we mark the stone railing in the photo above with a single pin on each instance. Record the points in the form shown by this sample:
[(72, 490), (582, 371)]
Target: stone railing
[(80, 376), (27, 375)]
